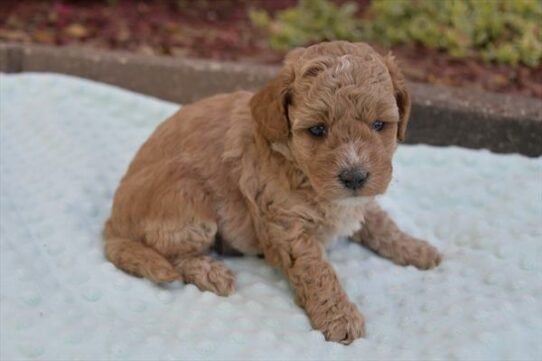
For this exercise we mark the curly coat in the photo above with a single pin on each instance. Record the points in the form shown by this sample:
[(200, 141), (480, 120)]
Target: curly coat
[(245, 167)]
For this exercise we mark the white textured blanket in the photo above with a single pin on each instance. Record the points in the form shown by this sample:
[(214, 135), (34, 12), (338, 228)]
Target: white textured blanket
[(65, 143)]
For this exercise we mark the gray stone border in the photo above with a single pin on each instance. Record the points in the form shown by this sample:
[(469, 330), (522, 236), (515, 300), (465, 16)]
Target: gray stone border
[(441, 115)]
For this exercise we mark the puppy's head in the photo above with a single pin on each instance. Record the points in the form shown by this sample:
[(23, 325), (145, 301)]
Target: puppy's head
[(336, 110)]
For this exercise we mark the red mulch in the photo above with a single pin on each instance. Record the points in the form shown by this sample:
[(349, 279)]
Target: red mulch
[(220, 29)]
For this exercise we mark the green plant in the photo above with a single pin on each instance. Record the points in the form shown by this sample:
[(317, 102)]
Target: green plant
[(500, 31), (311, 21)]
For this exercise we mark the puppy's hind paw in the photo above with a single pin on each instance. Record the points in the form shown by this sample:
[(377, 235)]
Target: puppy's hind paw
[(220, 280), (207, 274)]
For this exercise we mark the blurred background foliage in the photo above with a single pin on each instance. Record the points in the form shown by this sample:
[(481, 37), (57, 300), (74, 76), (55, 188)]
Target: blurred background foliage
[(310, 21), (500, 31), (482, 44)]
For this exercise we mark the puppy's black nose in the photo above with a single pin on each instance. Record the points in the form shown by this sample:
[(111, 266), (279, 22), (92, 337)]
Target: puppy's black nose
[(353, 178)]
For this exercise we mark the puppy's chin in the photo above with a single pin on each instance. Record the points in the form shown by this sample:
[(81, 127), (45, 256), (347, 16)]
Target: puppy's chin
[(354, 201), (363, 195), (341, 197)]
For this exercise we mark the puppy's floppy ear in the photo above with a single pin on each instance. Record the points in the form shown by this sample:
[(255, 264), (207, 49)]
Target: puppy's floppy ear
[(269, 106), (401, 94)]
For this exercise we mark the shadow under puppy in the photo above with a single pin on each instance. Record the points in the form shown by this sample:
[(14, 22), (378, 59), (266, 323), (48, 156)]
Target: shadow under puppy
[(282, 172)]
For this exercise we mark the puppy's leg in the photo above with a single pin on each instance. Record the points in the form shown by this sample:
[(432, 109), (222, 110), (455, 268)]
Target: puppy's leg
[(183, 229), (315, 283), (139, 260), (380, 234)]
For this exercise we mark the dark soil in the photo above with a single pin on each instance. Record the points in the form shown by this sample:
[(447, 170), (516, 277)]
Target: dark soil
[(221, 30)]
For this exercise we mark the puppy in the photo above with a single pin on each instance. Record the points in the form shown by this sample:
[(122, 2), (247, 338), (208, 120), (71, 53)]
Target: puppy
[(282, 172)]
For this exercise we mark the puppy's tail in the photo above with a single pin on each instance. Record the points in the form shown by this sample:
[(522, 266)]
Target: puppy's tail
[(138, 259)]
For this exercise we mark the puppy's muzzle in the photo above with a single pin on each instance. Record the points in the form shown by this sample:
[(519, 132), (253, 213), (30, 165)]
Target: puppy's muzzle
[(353, 178)]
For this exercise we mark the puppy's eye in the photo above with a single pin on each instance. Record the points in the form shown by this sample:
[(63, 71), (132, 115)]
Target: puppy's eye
[(318, 131), (378, 125)]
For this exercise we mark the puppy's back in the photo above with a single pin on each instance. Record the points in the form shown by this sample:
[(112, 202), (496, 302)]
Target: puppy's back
[(196, 132)]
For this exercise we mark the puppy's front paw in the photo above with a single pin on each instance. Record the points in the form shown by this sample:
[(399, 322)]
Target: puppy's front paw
[(343, 325), (420, 254)]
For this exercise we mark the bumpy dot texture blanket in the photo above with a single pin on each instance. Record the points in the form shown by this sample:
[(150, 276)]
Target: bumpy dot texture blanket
[(65, 143)]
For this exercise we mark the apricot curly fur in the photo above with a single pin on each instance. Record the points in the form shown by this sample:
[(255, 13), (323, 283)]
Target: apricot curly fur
[(243, 167)]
